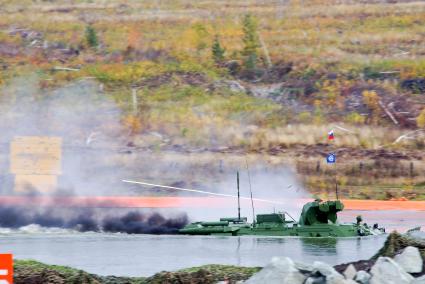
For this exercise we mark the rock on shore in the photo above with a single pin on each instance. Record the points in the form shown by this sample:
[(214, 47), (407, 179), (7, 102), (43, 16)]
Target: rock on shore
[(399, 261), (385, 270)]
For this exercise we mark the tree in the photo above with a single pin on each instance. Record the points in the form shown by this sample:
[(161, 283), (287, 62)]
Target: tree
[(91, 37), (420, 120), (251, 41), (201, 34), (371, 100), (133, 39), (217, 51)]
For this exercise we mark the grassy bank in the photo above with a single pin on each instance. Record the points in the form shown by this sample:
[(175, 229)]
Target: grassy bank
[(30, 271)]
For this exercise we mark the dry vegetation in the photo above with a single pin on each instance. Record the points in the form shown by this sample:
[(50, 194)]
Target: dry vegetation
[(359, 65)]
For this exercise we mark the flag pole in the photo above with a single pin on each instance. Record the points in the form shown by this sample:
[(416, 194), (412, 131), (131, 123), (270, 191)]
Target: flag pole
[(336, 172), (336, 183), (331, 138)]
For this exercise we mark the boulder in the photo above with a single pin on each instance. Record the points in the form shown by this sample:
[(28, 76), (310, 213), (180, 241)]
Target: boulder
[(235, 86), (336, 280), (419, 280), (278, 271), (331, 275), (416, 85), (417, 235), (303, 267), (316, 280), (350, 272), (328, 280), (387, 271), (362, 277), (326, 270), (410, 259)]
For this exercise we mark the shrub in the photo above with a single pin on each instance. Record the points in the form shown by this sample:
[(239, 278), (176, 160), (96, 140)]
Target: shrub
[(251, 41), (420, 120), (201, 34), (371, 100), (132, 123), (217, 51), (91, 37), (304, 117), (355, 118)]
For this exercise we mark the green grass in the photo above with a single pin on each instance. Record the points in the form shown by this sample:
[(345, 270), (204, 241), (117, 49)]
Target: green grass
[(71, 275), (223, 269), (38, 266), (30, 269), (132, 73), (206, 273)]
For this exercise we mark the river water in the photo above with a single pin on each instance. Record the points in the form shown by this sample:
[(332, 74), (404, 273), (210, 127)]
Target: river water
[(143, 255)]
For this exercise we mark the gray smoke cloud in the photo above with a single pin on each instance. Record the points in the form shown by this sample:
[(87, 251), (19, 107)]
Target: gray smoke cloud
[(91, 220), (87, 120), (96, 156)]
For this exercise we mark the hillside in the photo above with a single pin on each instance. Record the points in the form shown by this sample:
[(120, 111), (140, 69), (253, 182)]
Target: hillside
[(261, 78)]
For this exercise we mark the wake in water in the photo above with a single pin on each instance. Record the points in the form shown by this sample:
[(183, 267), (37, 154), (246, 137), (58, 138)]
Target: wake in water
[(25, 219), (36, 229)]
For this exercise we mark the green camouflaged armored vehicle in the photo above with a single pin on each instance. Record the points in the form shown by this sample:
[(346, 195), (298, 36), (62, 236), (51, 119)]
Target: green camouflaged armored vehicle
[(318, 219)]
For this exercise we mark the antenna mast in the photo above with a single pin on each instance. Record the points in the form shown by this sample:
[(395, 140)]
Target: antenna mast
[(250, 191), (239, 201), (336, 186)]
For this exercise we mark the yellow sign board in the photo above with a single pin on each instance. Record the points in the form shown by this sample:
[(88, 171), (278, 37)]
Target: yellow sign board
[(36, 162)]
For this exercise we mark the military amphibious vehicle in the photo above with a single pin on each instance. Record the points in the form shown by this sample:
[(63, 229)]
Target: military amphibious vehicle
[(318, 219)]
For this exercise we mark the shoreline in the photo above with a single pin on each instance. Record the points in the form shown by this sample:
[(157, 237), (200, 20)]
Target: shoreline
[(191, 202)]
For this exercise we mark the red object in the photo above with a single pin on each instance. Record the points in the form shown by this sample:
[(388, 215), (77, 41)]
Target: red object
[(331, 135), (6, 268)]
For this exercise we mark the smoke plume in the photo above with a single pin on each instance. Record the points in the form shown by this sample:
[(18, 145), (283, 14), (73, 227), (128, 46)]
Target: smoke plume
[(98, 152), (84, 220)]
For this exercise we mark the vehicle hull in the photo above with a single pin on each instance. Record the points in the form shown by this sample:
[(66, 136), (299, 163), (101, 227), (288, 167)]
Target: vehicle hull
[(317, 219), (320, 230)]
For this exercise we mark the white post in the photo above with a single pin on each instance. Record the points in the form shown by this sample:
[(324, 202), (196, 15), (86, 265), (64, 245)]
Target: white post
[(134, 100)]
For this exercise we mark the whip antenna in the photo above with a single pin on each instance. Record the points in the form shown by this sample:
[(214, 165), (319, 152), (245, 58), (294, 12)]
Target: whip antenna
[(200, 191), (250, 191), (239, 196)]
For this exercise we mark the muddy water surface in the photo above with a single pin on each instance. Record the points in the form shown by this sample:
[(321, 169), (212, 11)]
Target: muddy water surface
[(144, 255)]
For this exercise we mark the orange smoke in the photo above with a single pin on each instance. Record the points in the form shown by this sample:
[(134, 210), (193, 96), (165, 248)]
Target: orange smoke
[(187, 202)]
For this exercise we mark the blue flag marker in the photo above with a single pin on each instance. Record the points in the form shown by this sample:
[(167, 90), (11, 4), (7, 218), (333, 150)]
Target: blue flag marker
[(331, 159)]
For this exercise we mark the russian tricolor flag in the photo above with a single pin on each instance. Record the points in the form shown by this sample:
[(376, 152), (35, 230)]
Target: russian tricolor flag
[(331, 135)]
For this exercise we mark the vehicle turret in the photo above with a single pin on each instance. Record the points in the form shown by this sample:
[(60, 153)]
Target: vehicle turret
[(320, 212)]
